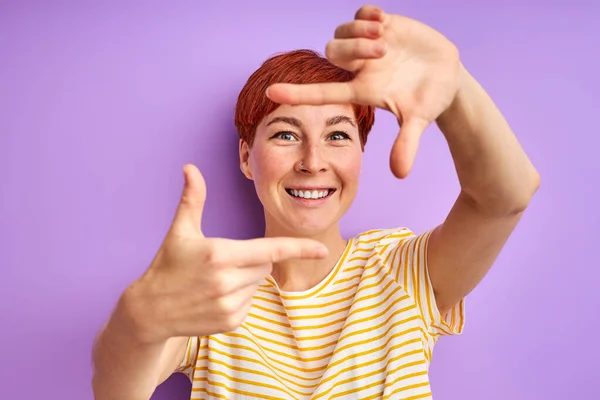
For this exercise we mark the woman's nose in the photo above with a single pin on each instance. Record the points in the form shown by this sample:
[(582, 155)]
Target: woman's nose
[(312, 161)]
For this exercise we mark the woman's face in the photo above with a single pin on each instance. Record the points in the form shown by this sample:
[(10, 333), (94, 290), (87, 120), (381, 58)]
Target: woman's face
[(305, 163)]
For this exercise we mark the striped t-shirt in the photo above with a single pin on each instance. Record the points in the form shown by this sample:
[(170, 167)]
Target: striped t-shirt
[(366, 331)]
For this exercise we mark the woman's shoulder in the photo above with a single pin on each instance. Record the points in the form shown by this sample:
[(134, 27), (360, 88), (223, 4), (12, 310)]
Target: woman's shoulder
[(384, 236)]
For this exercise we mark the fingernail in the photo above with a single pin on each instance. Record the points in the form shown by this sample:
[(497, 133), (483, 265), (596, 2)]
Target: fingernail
[(378, 14), (380, 48), (322, 251), (373, 30)]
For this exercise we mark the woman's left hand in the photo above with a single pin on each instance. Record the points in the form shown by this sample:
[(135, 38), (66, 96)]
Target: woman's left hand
[(400, 65)]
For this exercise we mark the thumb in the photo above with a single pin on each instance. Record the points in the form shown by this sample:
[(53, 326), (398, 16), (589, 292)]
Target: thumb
[(405, 146), (190, 208)]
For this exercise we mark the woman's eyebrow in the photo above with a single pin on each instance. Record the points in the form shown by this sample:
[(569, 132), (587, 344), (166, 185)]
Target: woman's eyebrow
[(338, 119), (286, 120)]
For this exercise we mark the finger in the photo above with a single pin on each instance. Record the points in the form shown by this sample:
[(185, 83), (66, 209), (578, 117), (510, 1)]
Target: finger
[(191, 204), (238, 280), (243, 253), (243, 305), (245, 293), (359, 28), (340, 51), (405, 146), (369, 12), (312, 94)]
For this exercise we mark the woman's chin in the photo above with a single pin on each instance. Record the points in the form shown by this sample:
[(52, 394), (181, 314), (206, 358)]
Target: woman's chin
[(313, 224), (310, 228)]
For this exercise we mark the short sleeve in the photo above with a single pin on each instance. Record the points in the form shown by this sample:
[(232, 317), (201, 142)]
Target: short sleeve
[(188, 364), (408, 266)]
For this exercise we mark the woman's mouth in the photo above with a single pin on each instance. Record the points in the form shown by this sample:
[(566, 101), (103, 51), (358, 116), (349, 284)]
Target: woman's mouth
[(310, 194)]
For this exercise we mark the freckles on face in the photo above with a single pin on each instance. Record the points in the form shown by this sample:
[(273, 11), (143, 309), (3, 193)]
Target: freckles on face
[(269, 162), (269, 165), (325, 140)]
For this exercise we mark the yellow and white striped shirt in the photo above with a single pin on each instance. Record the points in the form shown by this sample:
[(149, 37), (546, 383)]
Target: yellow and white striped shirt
[(366, 331)]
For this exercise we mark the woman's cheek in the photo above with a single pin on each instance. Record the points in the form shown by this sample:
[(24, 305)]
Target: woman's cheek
[(268, 169), (351, 170)]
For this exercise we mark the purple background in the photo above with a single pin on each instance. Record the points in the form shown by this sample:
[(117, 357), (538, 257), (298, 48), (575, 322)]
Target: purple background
[(101, 105)]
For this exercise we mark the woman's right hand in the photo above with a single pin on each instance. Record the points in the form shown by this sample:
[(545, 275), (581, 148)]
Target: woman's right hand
[(198, 286)]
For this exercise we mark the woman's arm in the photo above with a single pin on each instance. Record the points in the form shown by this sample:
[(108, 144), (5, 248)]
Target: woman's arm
[(124, 366), (497, 182), (413, 71)]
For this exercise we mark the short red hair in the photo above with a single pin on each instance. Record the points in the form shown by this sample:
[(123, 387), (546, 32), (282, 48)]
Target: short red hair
[(299, 67)]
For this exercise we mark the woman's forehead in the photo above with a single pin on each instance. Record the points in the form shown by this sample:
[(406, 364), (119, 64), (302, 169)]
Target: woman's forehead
[(308, 114)]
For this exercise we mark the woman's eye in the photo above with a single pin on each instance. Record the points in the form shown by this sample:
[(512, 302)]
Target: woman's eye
[(339, 136), (285, 136)]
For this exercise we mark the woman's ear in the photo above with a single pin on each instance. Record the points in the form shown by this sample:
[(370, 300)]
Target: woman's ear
[(245, 159)]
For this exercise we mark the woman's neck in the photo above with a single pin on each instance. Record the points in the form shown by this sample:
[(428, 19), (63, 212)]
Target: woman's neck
[(301, 275)]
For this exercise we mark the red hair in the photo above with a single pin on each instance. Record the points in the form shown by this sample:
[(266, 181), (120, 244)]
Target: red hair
[(299, 67)]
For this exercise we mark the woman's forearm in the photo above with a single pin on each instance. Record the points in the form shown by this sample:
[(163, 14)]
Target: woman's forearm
[(125, 367), (494, 172)]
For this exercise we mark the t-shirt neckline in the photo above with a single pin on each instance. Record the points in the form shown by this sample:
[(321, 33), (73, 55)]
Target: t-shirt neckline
[(319, 287)]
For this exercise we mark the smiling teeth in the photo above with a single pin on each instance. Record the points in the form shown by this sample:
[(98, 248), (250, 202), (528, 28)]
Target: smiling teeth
[(307, 194)]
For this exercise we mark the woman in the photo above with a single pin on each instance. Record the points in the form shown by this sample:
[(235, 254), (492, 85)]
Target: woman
[(304, 313)]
